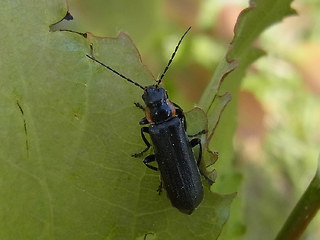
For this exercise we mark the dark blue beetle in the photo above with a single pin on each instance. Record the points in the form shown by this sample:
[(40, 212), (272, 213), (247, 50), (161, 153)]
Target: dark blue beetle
[(172, 149)]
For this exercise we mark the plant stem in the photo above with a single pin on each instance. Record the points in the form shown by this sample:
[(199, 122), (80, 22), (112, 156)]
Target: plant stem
[(304, 211)]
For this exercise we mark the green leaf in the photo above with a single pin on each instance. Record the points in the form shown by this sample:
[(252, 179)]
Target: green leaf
[(68, 129), (251, 22)]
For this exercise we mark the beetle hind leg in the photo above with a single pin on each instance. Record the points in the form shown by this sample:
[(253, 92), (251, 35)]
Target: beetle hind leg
[(194, 142), (149, 159), (146, 161), (159, 190)]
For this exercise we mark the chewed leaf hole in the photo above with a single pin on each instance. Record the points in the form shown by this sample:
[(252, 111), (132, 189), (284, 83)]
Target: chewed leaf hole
[(65, 24)]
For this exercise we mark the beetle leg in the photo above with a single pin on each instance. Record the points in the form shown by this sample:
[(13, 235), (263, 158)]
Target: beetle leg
[(149, 159), (138, 105), (159, 190), (143, 130), (198, 134), (145, 236), (194, 142), (143, 121), (181, 115), (209, 180), (146, 161)]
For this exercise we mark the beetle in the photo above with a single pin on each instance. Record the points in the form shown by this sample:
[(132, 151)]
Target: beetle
[(173, 153)]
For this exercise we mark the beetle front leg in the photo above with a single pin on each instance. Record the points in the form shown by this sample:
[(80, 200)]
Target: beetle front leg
[(144, 120), (143, 130), (180, 114), (138, 105)]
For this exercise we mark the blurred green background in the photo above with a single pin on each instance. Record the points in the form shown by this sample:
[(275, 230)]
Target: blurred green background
[(277, 139)]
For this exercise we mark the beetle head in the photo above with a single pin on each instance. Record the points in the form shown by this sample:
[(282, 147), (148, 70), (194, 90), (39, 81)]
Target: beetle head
[(159, 108), (153, 95)]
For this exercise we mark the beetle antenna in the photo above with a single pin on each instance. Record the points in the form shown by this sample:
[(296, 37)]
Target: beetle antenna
[(170, 61), (114, 71)]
